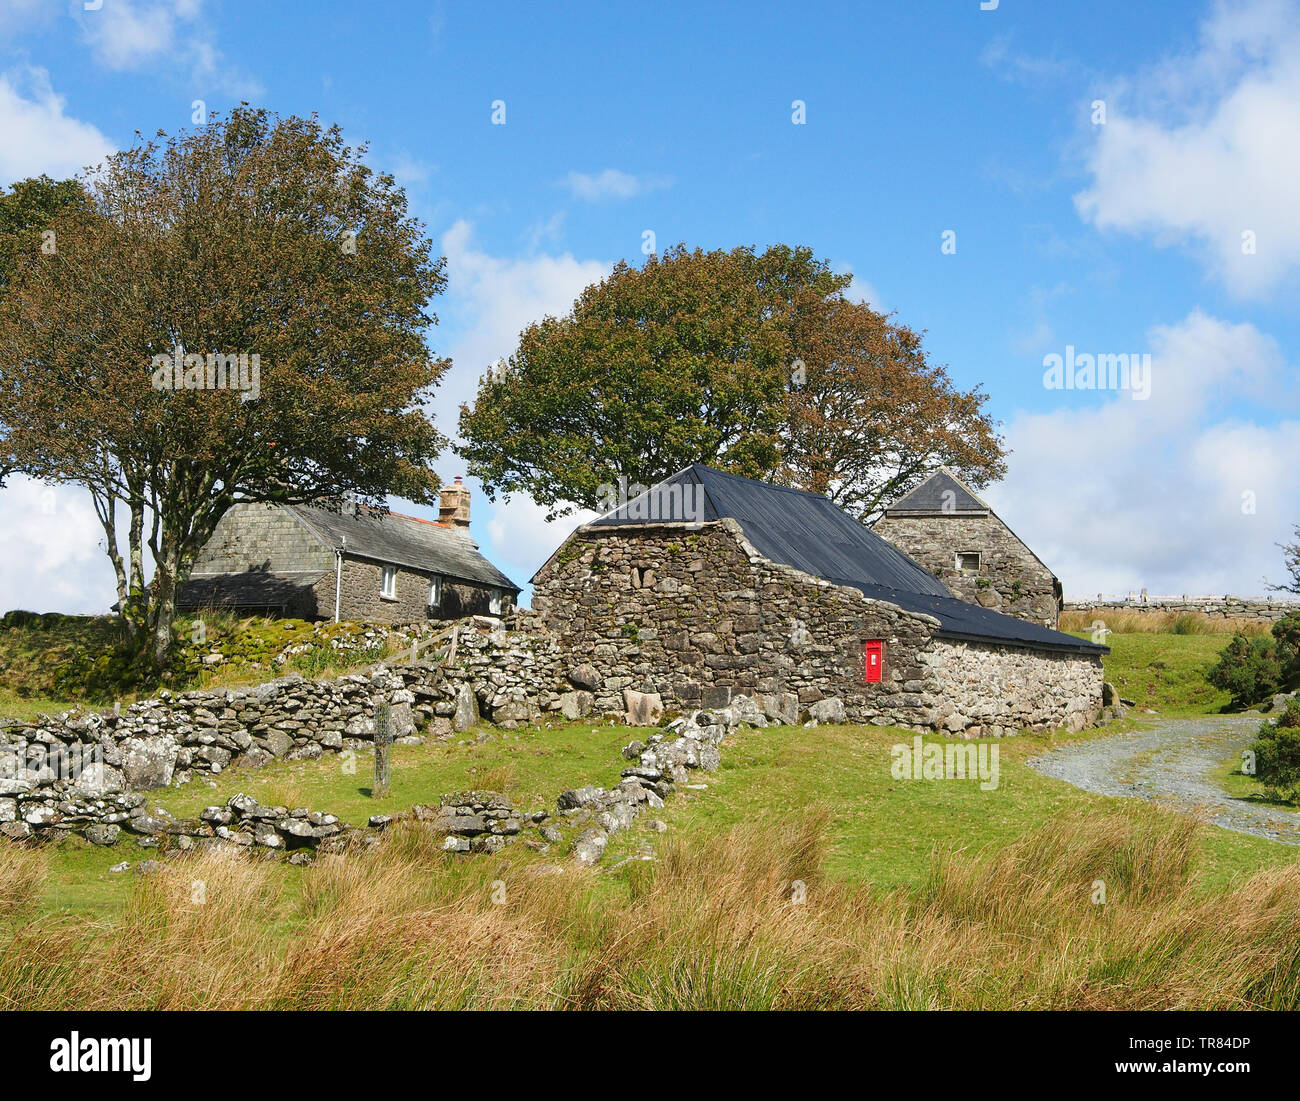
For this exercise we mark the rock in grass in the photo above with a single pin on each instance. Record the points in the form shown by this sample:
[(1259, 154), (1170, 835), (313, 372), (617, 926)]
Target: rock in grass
[(589, 846)]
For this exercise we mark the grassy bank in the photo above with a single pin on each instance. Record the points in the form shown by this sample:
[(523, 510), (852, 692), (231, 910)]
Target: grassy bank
[(748, 918), (1165, 671), (880, 831), (53, 663)]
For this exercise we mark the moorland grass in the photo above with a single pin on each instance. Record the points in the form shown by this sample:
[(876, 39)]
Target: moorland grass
[(747, 919)]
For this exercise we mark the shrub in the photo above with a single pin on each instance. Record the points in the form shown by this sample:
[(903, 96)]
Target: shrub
[(1249, 668), (1277, 754), (1286, 634)]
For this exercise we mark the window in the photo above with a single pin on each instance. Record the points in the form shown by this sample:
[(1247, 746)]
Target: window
[(435, 592), (968, 561), (494, 602), (388, 583)]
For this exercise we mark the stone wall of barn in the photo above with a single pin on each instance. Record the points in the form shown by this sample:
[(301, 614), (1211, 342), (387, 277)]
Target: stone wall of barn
[(1009, 580), (980, 690), (694, 613), (363, 599)]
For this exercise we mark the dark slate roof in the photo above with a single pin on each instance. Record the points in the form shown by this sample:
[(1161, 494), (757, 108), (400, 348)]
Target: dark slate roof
[(253, 589), (803, 530), (813, 534), (402, 541), (929, 496)]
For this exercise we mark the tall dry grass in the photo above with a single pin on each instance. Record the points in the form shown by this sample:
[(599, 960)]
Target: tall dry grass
[(22, 874), (1126, 622), (744, 920)]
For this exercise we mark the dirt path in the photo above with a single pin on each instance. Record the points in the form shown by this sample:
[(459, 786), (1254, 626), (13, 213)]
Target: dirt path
[(1172, 764)]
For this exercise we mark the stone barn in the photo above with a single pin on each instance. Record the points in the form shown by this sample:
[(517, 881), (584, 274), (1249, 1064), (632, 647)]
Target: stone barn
[(313, 562), (709, 585), (964, 543)]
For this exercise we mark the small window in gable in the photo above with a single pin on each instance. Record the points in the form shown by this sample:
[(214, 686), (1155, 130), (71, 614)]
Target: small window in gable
[(388, 583), (494, 602), (968, 561), (435, 592)]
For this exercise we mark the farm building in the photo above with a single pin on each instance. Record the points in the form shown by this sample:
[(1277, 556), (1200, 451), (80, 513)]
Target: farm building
[(709, 585), (291, 560), (964, 543)]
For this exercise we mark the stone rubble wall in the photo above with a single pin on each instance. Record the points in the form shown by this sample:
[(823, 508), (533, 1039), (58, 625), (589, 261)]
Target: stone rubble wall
[(990, 691), (81, 767), (1217, 607)]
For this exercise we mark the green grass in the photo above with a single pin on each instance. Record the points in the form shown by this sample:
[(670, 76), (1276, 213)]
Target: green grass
[(531, 765), (1166, 671), (884, 830), (1241, 786)]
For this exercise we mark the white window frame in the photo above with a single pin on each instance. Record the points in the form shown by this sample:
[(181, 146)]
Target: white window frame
[(435, 591), (388, 582), (494, 601)]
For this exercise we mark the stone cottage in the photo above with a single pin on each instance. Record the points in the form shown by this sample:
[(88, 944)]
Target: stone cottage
[(348, 562), (964, 543), (709, 585)]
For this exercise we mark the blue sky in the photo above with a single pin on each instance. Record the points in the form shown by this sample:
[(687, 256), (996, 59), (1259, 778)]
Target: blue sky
[(921, 119)]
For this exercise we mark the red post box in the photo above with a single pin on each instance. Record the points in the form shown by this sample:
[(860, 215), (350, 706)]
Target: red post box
[(875, 663)]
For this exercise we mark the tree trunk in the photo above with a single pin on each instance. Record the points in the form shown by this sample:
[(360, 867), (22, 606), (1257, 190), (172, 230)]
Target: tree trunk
[(164, 603)]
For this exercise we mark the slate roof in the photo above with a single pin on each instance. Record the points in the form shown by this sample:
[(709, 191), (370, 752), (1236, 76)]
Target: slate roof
[(813, 534), (253, 589), (402, 541), (932, 495)]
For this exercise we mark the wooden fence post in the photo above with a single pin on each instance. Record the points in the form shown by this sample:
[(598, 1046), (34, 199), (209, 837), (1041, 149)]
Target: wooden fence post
[(383, 742), (455, 637)]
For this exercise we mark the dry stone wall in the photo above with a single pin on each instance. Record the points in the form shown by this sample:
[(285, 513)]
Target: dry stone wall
[(1217, 607)]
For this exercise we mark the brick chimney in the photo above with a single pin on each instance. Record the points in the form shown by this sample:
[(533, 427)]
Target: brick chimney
[(453, 508)]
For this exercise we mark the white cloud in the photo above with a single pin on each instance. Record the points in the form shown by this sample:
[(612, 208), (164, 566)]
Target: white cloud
[(18, 15), (1129, 494), (522, 539), (36, 136), (49, 543), (1205, 148), (612, 184), (496, 298), (129, 35)]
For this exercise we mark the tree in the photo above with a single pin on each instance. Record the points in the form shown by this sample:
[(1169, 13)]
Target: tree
[(1291, 555), (751, 362), (27, 210), (869, 417), (236, 314)]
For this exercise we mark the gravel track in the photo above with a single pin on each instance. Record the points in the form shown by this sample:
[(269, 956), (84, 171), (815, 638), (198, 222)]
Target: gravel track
[(1173, 764)]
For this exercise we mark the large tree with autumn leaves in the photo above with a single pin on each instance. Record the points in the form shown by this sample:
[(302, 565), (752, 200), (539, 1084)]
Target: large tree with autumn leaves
[(756, 363), (253, 235)]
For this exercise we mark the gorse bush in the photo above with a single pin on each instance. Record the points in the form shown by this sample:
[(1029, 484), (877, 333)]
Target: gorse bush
[(1277, 754), (1255, 668), (1249, 668)]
